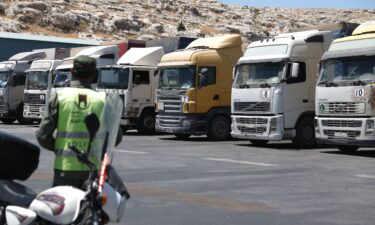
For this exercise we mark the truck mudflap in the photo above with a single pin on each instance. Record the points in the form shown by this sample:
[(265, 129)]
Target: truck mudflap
[(350, 142), (189, 124), (270, 128)]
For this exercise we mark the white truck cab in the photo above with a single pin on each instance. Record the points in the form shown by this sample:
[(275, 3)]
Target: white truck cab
[(12, 84), (104, 55), (38, 87), (345, 92), (134, 78), (274, 89)]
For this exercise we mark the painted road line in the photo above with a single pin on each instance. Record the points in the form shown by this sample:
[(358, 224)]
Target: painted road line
[(131, 152), (240, 162), (365, 176)]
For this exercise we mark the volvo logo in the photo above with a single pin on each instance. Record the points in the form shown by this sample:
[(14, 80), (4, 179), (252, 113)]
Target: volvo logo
[(340, 108)]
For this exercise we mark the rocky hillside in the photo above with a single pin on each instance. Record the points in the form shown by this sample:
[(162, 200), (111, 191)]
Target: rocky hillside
[(149, 19)]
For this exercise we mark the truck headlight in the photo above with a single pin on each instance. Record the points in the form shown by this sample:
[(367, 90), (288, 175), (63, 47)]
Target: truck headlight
[(317, 129), (42, 109), (26, 108), (370, 127), (273, 124), (125, 113)]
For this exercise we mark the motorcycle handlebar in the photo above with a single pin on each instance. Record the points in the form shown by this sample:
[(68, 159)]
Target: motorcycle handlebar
[(83, 157)]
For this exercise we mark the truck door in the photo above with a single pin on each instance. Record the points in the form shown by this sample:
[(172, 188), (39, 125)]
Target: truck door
[(141, 88), (16, 89), (295, 95), (208, 95)]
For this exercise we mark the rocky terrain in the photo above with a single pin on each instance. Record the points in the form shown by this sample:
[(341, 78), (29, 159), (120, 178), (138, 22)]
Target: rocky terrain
[(150, 19)]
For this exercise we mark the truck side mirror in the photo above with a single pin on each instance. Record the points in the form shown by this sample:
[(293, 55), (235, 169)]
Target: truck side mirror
[(295, 70), (202, 77)]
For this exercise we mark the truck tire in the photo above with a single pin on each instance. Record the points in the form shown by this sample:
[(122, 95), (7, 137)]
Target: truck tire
[(182, 136), (349, 149), (219, 129), (259, 143), (146, 123), (7, 120), (22, 120), (305, 133)]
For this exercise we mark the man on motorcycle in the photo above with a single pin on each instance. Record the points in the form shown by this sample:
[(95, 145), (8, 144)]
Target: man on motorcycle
[(66, 112)]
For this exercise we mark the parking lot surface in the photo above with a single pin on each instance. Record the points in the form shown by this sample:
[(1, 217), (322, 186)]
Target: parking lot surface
[(195, 181)]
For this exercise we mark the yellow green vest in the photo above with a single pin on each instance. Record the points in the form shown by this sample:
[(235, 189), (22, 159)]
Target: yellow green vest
[(74, 104)]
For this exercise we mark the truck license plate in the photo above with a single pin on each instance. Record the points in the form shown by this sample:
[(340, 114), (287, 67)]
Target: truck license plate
[(341, 134)]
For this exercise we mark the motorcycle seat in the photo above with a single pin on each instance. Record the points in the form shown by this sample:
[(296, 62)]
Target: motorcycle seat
[(13, 193)]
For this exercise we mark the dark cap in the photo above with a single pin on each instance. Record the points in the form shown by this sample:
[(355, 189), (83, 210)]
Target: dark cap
[(84, 65)]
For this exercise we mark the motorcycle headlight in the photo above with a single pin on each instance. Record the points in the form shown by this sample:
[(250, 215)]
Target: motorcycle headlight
[(370, 127)]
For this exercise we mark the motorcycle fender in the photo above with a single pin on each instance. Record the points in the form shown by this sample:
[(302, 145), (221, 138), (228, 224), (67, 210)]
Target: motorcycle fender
[(59, 205), (115, 205), (19, 216)]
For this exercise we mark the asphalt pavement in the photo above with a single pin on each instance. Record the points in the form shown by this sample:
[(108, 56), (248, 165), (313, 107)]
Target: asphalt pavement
[(196, 181)]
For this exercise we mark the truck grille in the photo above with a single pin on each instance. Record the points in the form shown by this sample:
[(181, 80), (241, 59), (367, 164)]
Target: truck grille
[(342, 108), (3, 109), (34, 98), (252, 120), (252, 130), (252, 106), (342, 133), (172, 104), (34, 108), (166, 121), (342, 123)]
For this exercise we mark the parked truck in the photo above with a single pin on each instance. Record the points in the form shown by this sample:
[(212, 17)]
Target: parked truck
[(104, 55), (193, 96), (345, 92), (12, 84), (274, 89), (134, 78)]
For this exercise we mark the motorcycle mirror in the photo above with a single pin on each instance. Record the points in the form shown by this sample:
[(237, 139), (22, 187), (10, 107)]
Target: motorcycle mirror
[(92, 124)]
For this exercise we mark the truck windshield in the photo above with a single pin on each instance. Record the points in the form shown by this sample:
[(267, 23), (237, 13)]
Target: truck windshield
[(37, 80), (258, 74), (177, 78), (4, 75), (347, 71), (62, 78), (117, 78)]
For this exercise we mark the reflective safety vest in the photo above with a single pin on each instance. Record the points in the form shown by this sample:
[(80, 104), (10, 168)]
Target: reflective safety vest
[(74, 104)]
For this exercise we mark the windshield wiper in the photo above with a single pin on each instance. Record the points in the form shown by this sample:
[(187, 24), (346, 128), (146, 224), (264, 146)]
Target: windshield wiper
[(265, 85), (328, 83), (244, 85), (359, 82)]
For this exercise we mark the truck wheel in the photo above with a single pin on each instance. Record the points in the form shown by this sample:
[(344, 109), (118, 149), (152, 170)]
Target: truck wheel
[(7, 120), (305, 133), (219, 129), (19, 116), (347, 148), (146, 124), (259, 143), (182, 136)]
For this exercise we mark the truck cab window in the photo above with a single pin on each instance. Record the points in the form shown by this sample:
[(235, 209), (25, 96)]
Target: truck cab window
[(301, 74), (209, 74), (141, 77)]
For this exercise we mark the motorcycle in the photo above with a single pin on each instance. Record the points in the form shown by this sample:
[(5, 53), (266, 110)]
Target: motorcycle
[(104, 199)]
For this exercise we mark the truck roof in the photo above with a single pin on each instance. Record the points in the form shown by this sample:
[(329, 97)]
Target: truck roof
[(142, 56), (364, 31), (28, 56), (44, 64), (278, 47), (218, 42), (228, 45)]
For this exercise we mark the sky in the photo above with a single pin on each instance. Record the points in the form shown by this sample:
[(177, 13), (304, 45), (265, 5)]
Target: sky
[(362, 4)]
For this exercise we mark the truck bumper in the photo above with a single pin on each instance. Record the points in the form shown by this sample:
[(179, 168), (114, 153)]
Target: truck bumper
[(33, 111), (181, 124), (345, 131), (269, 128)]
